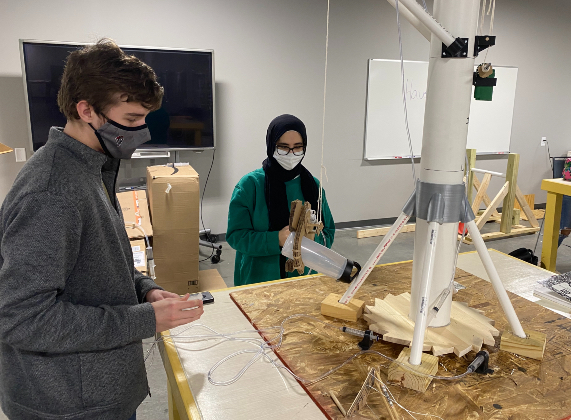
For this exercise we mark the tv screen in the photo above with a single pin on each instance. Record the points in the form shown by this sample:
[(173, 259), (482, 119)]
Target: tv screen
[(184, 122)]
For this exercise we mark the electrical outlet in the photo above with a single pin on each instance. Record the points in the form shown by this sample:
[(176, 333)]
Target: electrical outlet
[(543, 141)]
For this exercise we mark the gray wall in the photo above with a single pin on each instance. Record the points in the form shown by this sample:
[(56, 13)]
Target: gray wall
[(269, 57)]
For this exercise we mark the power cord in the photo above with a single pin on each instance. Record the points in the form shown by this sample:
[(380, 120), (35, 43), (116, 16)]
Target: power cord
[(208, 236)]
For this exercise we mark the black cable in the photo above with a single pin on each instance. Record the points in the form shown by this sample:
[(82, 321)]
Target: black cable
[(201, 200)]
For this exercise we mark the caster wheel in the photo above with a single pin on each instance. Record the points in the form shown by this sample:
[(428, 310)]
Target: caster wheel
[(215, 259), (213, 239)]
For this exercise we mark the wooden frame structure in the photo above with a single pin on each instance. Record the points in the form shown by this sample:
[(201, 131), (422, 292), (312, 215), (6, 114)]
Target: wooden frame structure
[(512, 199), (509, 195)]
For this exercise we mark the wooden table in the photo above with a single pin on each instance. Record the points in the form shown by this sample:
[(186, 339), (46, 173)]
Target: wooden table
[(261, 393), (556, 189)]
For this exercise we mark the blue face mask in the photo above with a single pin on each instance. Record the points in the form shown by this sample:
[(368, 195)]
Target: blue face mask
[(119, 141)]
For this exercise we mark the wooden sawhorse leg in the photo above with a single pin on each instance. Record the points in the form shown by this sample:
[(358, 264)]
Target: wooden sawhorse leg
[(551, 230)]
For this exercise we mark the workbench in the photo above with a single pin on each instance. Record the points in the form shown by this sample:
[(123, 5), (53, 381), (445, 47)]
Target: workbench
[(263, 393), (556, 189)]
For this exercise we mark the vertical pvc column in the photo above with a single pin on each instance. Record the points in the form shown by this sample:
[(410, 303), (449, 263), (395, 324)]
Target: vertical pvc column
[(495, 280), (444, 141)]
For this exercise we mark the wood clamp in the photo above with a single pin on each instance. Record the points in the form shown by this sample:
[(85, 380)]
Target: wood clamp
[(303, 222)]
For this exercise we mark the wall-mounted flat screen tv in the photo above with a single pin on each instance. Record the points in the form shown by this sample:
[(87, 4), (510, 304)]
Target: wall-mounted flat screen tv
[(186, 120)]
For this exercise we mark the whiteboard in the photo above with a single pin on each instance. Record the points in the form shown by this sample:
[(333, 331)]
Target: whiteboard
[(490, 125)]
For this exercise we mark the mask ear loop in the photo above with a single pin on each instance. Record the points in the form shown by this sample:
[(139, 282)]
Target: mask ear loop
[(101, 142)]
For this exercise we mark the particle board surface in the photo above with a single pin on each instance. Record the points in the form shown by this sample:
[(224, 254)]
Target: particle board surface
[(519, 388)]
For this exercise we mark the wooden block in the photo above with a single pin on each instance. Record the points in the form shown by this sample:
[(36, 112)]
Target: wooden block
[(530, 200), (533, 346), (527, 209), (350, 312), (406, 377), (369, 233), (509, 200)]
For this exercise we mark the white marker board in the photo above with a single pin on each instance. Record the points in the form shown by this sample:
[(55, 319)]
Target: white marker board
[(490, 125)]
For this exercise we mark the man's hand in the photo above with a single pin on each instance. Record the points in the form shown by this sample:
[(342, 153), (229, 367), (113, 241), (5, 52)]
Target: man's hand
[(284, 234), (172, 312), (155, 295)]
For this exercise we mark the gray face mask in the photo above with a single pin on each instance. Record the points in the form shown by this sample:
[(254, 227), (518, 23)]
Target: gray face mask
[(119, 141)]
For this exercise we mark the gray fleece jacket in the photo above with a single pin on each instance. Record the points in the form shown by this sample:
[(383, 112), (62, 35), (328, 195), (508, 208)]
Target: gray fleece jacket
[(72, 311)]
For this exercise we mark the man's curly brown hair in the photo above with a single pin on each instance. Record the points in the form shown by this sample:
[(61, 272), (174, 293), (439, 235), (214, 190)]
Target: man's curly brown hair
[(98, 73)]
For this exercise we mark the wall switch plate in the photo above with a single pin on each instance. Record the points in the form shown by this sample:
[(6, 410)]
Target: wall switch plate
[(543, 141), (20, 154)]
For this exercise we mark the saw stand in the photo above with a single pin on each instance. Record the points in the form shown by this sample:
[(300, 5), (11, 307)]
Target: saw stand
[(439, 201)]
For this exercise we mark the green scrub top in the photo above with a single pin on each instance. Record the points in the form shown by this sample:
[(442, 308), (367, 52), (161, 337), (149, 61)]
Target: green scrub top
[(257, 249)]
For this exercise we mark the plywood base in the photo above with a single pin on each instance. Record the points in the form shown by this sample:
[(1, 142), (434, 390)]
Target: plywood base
[(533, 346), (516, 231), (468, 330), (310, 349), (406, 377), (350, 312)]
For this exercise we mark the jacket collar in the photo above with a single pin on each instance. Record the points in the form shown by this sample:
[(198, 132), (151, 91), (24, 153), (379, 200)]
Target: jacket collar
[(92, 159)]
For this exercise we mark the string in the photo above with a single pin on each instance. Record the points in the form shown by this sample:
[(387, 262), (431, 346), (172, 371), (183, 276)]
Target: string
[(322, 167), (404, 96), (265, 346)]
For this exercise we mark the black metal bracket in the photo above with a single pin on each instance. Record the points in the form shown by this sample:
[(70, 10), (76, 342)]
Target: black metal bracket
[(483, 81), (483, 368), (458, 49), (367, 341), (483, 42)]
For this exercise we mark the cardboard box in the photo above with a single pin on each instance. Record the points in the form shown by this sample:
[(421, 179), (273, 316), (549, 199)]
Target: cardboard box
[(136, 210), (174, 196), (210, 280), (139, 255)]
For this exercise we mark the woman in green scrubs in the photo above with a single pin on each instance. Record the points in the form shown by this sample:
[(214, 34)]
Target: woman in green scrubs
[(258, 218)]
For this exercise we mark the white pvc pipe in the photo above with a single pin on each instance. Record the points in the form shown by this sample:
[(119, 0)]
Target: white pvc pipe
[(495, 280), (444, 142), (412, 19), (427, 20), (484, 171), (374, 258), (425, 284)]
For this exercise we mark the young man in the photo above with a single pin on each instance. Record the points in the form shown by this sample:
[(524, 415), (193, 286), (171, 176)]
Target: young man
[(73, 310)]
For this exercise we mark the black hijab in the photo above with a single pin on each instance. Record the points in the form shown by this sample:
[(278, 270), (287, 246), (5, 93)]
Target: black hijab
[(276, 176)]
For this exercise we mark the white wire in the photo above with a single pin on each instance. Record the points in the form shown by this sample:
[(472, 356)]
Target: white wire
[(404, 96), (482, 17), (265, 346), (320, 199)]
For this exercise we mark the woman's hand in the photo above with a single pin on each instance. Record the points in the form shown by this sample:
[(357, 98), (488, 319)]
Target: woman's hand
[(284, 234)]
